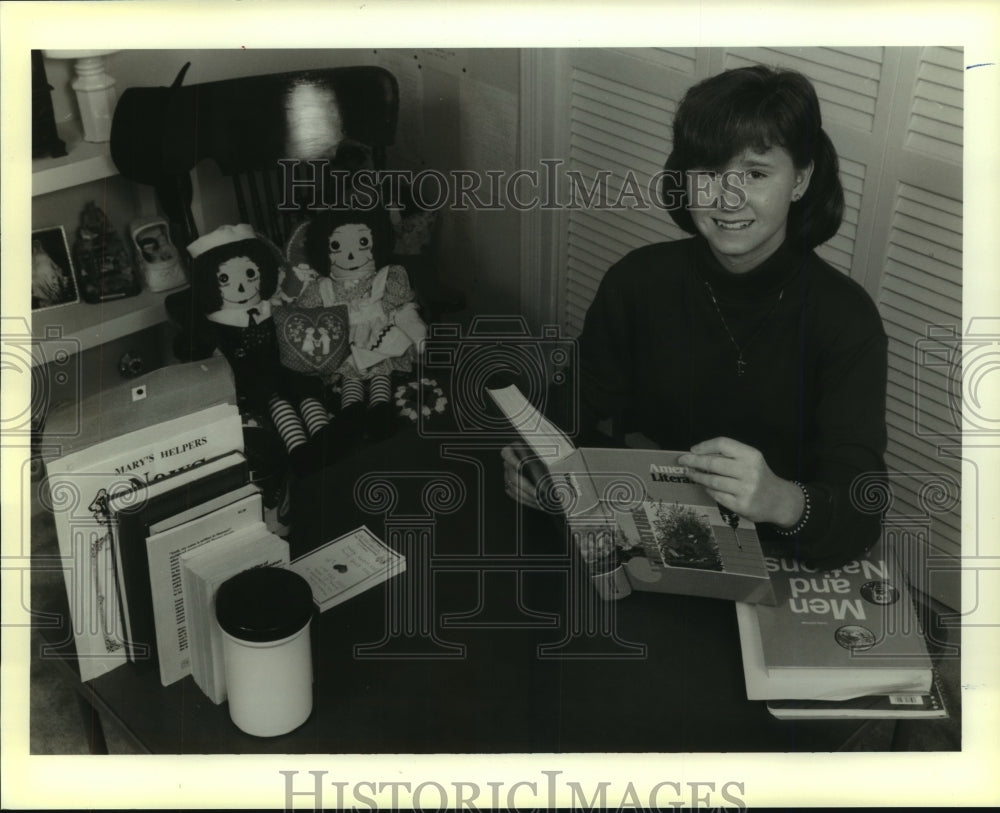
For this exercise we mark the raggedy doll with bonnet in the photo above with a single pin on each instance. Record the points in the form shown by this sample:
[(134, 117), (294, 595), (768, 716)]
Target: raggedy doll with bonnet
[(348, 248), (234, 272)]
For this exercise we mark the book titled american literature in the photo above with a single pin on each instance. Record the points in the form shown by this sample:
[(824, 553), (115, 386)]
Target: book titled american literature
[(638, 508), (347, 566), (834, 634)]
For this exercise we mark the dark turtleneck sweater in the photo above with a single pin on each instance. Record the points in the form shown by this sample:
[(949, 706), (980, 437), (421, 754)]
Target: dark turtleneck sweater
[(656, 356)]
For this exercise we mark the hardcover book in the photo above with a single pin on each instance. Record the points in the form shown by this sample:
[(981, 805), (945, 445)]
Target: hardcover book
[(637, 507), (898, 706), (133, 511), (834, 635)]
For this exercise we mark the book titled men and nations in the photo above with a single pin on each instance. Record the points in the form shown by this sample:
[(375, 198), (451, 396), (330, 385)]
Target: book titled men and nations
[(154, 509), (815, 644)]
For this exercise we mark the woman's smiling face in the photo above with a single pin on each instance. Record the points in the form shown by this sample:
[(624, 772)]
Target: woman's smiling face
[(762, 186)]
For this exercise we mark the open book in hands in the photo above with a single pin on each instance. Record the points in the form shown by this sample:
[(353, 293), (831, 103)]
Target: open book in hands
[(637, 507)]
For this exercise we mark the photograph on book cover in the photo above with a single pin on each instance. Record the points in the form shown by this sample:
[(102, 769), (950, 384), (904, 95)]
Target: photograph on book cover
[(538, 165)]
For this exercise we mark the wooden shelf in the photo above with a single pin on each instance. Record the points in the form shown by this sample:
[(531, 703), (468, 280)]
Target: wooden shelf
[(82, 326), (84, 162), (88, 325)]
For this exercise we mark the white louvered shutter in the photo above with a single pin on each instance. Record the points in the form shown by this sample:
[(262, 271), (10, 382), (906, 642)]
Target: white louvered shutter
[(920, 299), (619, 114)]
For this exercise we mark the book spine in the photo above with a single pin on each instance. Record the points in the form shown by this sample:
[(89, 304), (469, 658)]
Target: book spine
[(133, 557)]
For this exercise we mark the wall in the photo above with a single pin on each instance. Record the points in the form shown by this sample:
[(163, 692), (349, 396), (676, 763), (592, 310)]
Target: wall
[(458, 111)]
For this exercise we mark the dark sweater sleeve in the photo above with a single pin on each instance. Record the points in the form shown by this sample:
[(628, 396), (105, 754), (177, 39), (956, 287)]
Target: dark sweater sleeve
[(845, 443)]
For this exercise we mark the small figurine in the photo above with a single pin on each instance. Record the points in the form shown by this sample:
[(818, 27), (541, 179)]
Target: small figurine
[(234, 273), (347, 248), (101, 259), (157, 256)]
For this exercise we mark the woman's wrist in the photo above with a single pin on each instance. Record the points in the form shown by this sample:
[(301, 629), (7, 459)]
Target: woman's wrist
[(795, 509)]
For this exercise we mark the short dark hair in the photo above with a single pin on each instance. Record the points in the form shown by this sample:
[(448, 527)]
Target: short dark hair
[(204, 267), (757, 108), (317, 239)]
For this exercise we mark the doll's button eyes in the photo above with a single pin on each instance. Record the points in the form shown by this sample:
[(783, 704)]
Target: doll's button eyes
[(335, 245), (223, 279), (364, 242), (251, 273)]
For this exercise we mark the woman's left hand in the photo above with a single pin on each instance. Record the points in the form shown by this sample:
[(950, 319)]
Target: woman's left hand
[(738, 478)]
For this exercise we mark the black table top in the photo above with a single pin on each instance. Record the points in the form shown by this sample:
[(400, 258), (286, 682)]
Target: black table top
[(491, 641)]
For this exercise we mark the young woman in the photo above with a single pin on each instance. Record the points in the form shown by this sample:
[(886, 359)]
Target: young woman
[(740, 344)]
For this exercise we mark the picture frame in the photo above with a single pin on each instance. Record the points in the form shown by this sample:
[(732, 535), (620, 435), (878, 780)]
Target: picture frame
[(53, 281)]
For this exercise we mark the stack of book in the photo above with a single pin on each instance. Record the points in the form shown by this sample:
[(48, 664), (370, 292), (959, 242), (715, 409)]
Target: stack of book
[(146, 555), (126, 444), (231, 548), (154, 510), (838, 643)]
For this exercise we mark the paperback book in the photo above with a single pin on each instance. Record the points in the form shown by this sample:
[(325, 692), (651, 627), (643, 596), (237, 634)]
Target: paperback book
[(347, 566), (636, 508), (203, 569), (163, 553), (834, 635)]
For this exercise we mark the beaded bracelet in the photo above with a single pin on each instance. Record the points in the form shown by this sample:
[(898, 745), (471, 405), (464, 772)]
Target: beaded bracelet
[(806, 510)]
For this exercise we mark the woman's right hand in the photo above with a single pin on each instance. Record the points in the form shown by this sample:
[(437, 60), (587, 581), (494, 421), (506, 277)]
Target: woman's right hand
[(515, 481)]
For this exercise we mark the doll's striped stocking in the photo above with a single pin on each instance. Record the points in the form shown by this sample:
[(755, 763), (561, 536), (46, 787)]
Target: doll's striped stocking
[(352, 391), (315, 416), (379, 389), (287, 422)]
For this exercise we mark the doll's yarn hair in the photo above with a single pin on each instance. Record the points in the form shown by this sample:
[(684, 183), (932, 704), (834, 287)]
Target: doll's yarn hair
[(205, 285), (757, 108), (317, 238)]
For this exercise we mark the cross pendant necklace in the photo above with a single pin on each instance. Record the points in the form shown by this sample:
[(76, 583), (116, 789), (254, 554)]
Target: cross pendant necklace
[(741, 364)]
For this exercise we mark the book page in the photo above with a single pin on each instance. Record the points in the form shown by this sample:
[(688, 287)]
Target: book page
[(546, 440), (165, 550)]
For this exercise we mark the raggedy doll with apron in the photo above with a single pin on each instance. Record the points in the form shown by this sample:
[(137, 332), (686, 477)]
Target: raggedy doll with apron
[(347, 249)]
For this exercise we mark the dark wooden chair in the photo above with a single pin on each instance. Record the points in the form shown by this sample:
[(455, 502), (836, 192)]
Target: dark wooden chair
[(247, 126)]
